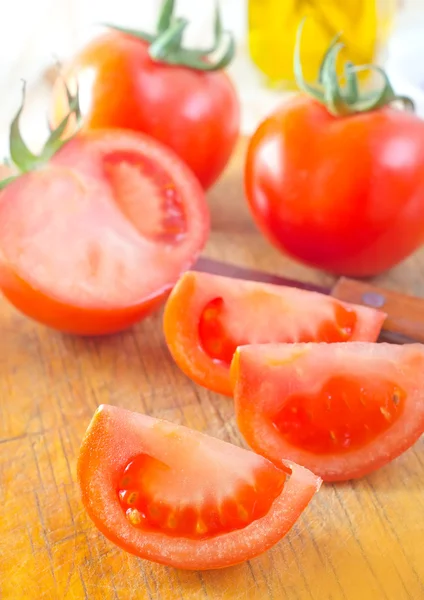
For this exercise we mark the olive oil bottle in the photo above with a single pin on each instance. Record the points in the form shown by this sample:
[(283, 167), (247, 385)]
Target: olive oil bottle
[(272, 25)]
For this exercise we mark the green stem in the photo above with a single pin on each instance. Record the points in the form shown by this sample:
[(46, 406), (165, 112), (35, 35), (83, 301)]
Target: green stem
[(169, 41), (165, 16), (348, 100), (166, 44)]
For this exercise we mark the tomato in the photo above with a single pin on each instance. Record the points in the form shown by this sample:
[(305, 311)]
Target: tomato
[(194, 113), (208, 316), (344, 194), (178, 497), (94, 240), (341, 410)]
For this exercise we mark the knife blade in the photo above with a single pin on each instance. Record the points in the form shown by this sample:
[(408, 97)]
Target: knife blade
[(405, 314)]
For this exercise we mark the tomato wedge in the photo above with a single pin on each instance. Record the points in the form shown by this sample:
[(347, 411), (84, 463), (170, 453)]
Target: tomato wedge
[(175, 496), (341, 410), (208, 316), (95, 240)]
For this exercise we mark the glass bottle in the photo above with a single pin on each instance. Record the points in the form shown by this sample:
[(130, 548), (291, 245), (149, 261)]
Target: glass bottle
[(272, 25)]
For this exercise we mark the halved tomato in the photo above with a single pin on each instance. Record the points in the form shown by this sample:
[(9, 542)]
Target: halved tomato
[(341, 410), (208, 316), (94, 240), (181, 498)]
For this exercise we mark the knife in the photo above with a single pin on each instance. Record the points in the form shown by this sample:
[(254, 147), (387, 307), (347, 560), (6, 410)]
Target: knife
[(405, 314)]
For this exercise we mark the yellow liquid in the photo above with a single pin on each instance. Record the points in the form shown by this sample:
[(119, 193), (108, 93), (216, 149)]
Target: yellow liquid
[(364, 24)]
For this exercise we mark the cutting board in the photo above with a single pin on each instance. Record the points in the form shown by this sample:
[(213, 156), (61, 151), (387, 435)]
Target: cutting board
[(356, 541)]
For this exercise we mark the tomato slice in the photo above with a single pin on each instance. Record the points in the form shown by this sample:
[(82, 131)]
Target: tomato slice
[(181, 498), (208, 316), (340, 410), (96, 239)]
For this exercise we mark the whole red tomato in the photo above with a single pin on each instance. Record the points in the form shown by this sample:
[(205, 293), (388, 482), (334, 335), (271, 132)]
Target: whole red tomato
[(193, 111), (342, 193)]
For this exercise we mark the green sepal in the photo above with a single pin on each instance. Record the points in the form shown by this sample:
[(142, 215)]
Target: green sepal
[(55, 141), (166, 44), (21, 156), (344, 100), (141, 35), (352, 86), (169, 42)]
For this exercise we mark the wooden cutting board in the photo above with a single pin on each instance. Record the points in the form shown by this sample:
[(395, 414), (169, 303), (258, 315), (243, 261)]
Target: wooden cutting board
[(356, 541)]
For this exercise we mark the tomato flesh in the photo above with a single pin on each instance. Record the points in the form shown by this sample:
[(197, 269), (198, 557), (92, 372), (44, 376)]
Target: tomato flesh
[(208, 316), (216, 324), (340, 329), (150, 494), (343, 415), (216, 340), (161, 216)]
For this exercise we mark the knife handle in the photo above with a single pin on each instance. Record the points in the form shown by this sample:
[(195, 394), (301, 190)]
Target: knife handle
[(405, 314)]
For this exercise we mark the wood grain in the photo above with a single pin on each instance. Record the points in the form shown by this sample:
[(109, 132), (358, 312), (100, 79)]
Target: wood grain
[(356, 541)]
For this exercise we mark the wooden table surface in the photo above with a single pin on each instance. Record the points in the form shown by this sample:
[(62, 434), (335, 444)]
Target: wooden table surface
[(360, 541)]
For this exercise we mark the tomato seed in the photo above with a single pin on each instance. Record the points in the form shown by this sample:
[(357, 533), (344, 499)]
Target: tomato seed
[(172, 521), (385, 413), (132, 498), (396, 397), (201, 527), (242, 513), (133, 516)]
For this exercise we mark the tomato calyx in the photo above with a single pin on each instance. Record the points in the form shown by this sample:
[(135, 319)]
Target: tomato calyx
[(21, 157), (166, 44), (347, 99)]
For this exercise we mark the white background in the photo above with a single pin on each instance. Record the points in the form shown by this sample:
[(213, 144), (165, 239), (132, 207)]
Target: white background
[(35, 32)]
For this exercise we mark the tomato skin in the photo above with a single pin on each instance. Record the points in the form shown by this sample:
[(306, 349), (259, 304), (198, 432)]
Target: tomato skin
[(194, 113), (116, 435), (52, 238), (76, 320), (251, 313), (336, 192), (267, 378)]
